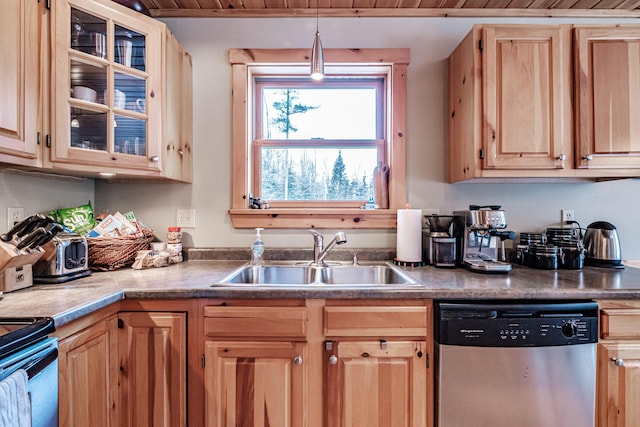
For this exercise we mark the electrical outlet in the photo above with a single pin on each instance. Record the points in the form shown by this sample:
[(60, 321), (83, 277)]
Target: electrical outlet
[(14, 215), (567, 215), (186, 218)]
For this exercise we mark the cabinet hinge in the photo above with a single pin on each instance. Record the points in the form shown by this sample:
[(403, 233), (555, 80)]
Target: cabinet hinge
[(203, 359), (482, 153), (47, 141), (120, 324), (481, 44), (38, 138), (427, 360)]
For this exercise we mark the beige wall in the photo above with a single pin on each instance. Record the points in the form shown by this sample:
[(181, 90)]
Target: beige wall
[(530, 207)]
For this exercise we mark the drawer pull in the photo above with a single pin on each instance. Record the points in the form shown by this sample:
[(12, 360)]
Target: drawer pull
[(618, 361), (297, 360), (561, 157), (588, 157)]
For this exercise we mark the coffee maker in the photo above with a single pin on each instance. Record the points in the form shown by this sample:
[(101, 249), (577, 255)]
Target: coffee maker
[(439, 243), (477, 232)]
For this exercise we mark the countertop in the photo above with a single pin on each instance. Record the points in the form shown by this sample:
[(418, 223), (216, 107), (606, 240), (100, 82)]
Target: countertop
[(193, 279)]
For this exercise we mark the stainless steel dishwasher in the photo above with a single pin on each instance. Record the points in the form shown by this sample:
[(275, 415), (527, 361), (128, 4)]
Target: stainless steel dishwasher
[(516, 363)]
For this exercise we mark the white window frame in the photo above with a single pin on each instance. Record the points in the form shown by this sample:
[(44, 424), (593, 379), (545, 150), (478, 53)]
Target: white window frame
[(246, 63)]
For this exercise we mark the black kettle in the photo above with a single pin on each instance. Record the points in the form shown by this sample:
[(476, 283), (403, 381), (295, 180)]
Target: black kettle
[(602, 245)]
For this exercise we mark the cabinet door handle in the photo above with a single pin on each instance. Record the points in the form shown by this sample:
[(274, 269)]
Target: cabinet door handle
[(297, 360), (618, 361), (154, 159), (561, 157), (333, 359), (588, 157)]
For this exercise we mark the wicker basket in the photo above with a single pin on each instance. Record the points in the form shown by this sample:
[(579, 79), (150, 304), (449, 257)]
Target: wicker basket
[(111, 253)]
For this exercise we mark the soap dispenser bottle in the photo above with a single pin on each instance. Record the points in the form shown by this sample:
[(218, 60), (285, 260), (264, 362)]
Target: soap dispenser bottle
[(257, 248)]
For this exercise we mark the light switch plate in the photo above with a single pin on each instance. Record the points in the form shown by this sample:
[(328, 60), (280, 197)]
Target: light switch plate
[(186, 218)]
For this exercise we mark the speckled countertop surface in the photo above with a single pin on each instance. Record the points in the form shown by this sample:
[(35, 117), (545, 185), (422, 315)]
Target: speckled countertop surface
[(193, 279)]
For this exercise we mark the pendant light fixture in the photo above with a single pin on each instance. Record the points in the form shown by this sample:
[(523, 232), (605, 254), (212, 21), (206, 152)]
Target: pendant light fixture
[(317, 56)]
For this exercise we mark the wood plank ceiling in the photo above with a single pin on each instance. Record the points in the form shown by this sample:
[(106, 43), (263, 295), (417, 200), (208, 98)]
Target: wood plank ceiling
[(397, 8)]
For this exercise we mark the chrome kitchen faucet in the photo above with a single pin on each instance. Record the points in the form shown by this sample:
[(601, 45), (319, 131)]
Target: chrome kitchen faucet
[(319, 252)]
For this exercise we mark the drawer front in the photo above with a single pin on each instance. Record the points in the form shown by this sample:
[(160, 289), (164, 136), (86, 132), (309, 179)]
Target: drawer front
[(375, 321), (255, 322), (620, 323)]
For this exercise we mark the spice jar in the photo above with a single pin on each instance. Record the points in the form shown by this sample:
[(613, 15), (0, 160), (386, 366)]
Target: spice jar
[(174, 235)]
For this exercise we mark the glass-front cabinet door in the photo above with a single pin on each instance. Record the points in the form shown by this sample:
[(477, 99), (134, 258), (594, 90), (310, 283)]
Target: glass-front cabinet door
[(106, 93)]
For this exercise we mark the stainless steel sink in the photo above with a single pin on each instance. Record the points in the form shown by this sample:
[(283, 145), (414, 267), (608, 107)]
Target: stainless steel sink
[(292, 274)]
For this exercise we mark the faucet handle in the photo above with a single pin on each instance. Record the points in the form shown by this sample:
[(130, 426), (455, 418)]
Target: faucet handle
[(315, 233)]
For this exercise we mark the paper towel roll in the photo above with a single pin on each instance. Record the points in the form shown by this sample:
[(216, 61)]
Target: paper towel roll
[(409, 237)]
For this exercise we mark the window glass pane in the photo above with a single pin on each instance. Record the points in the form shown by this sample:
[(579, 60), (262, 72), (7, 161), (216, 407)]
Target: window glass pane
[(319, 113), (317, 174)]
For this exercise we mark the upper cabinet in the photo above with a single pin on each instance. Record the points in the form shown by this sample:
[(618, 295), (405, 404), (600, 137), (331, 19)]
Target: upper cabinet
[(510, 102), (105, 89), (119, 86), (19, 82), (607, 80), (511, 99)]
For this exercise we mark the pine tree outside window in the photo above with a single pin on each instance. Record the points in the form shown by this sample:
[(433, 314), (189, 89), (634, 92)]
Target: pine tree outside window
[(310, 148)]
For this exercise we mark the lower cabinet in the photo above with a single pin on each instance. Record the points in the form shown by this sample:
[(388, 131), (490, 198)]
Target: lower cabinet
[(618, 400), (88, 376), (153, 379), (379, 383), (256, 383), (128, 369), (317, 363)]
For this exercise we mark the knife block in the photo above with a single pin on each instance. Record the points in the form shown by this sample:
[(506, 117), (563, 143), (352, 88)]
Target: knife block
[(14, 278), (10, 257)]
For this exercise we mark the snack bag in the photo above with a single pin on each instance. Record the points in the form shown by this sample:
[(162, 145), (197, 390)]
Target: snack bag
[(79, 219)]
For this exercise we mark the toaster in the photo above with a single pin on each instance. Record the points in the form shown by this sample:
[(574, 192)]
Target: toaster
[(65, 258)]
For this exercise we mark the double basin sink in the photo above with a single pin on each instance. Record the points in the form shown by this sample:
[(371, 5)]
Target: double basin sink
[(297, 274)]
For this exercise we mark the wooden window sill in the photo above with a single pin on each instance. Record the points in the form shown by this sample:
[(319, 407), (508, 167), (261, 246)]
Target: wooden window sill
[(347, 218)]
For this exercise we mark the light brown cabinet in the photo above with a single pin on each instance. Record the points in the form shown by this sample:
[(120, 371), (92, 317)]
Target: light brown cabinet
[(519, 109), (618, 397), (128, 369), (20, 103), (88, 376), (371, 383), (121, 88), (510, 102), (607, 81), (376, 364), (95, 89), (153, 360), (256, 367), (316, 363)]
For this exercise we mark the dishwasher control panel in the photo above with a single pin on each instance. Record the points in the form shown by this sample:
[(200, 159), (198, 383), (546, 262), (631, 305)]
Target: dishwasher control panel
[(504, 324)]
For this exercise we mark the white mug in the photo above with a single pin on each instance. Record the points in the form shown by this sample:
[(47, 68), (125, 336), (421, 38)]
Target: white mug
[(141, 105)]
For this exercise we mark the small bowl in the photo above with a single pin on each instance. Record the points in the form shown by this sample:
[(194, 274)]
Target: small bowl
[(84, 93)]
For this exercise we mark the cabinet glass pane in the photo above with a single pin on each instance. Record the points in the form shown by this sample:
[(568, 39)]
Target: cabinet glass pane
[(130, 136), (88, 82), (129, 48), (88, 129), (130, 92), (88, 33)]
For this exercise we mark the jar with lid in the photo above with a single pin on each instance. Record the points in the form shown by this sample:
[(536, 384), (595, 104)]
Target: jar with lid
[(174, 235), (543, 257)]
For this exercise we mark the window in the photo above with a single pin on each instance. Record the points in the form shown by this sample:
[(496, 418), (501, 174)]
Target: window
[(309, 148)]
